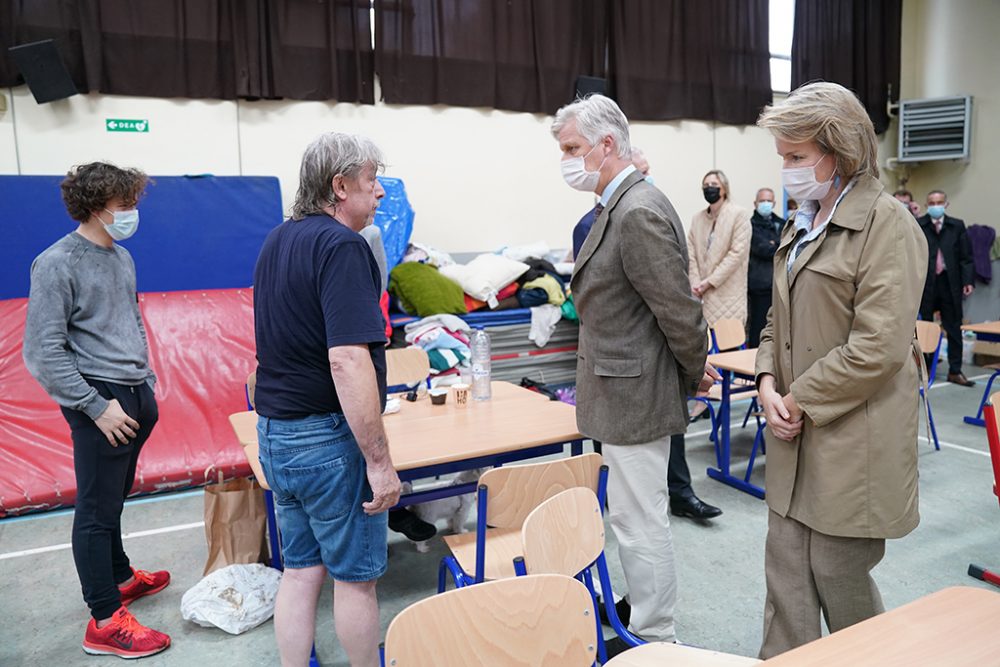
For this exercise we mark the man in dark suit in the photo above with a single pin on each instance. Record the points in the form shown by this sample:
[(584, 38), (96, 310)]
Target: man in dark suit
[(642, 347), (949, 277), (766, 236)]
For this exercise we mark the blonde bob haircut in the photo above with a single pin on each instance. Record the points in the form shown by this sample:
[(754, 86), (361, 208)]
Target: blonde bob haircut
[(834, 118), (722, 179)]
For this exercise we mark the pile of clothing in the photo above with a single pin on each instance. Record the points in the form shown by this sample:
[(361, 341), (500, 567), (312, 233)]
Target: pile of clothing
[(445, 338), (429, 282)]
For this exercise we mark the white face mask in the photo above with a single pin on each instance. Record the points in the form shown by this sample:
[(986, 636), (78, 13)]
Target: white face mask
[(801, 184), (575, 173), (124, 225)]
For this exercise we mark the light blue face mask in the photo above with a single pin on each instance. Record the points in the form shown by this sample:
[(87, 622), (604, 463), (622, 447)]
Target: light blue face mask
[(125, 224), (765, 208), (649, 179), (936, 211)]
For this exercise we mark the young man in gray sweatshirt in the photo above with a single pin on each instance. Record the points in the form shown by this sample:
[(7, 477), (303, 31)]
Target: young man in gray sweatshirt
[(85, 343)]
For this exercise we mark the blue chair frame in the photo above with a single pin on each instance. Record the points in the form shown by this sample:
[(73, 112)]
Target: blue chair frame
[(931, 374)]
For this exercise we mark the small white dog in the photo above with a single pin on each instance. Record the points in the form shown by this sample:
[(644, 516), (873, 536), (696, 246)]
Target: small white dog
[(455, 509)]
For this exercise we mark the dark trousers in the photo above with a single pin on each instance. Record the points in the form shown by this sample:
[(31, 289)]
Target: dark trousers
[(678, 474), (104, 477), (758, 303), (942, 300)]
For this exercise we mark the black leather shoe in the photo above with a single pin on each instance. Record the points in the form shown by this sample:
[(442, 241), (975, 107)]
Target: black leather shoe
[(411, 525), (622, 608), (693, 508), (615, 646), (960, 379)]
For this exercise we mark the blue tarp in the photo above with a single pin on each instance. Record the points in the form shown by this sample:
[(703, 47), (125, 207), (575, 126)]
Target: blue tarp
[(395, 218), (195, 232)]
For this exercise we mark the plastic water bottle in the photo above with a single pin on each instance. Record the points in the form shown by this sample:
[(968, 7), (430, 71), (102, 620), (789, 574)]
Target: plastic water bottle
[(480, 344)]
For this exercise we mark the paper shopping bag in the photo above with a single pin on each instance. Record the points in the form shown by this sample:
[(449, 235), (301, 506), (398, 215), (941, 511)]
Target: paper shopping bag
[(235, 524)]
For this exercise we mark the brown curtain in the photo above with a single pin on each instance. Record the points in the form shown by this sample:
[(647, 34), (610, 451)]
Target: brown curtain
[(522, 55), (854, 43), (708, 60), (216, 49), (320, 50)]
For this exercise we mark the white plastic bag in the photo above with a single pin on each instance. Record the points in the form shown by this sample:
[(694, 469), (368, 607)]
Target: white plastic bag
[(235, 598)]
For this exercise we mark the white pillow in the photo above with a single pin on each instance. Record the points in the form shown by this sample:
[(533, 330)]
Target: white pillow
[(486, 275)]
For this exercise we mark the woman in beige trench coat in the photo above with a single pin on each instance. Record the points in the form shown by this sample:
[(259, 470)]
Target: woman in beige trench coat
[(838, 371)]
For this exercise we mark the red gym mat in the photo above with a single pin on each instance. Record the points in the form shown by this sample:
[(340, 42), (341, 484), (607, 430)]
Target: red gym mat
[(201, 348)]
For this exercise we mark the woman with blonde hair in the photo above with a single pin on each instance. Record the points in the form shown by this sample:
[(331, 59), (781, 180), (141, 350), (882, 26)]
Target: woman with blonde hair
[(838, 370), (718, 257), (719, 247)]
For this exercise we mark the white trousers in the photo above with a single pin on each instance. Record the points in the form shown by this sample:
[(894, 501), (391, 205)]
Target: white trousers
[(637, 503)]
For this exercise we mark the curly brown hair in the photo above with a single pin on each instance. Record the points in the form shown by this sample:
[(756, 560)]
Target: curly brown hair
[(88, 188)]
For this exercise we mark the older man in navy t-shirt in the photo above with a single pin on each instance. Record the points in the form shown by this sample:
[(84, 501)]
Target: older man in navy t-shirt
[(320, 394)]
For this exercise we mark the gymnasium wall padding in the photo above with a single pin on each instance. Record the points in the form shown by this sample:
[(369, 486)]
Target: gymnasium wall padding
[(195, 232)]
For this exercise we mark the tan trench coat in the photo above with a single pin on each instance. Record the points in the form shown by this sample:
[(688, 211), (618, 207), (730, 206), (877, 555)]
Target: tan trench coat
[(723, 263), (840, 337)]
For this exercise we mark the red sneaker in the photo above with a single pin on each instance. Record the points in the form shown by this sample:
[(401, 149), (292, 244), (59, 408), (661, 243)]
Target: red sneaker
[(123, 636), (146, 583)]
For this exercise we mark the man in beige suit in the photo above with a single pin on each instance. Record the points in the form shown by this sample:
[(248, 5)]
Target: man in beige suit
[(642, 347)]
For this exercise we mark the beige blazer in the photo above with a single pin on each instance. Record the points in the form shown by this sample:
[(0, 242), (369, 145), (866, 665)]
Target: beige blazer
[(840, 337), (723, 262), (642, 336)]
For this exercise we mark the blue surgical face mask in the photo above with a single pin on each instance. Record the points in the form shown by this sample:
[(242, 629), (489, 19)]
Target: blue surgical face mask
[(765, 208), (936, 211), (649, 179), (125, 224)]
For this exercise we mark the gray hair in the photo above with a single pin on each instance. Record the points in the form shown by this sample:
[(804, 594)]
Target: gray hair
[(596, 117), (328, 155)]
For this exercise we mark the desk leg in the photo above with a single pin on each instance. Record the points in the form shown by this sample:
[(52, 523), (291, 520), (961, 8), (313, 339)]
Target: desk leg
[(722, 473)]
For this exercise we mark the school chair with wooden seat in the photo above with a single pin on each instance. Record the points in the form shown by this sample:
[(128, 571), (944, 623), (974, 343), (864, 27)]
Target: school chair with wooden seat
[(728, 334), (992, 417), (505, 497), (565, 535), (542, 620), (929, 337), (406, 368)]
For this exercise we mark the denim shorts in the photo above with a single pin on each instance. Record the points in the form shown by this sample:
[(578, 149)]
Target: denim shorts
[(319, 478)]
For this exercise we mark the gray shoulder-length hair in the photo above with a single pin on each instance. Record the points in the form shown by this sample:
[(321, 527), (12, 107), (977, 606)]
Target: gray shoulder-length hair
[(328, 155), (596, 117)]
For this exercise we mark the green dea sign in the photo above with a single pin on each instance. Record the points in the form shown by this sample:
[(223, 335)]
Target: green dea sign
[(126, 125)]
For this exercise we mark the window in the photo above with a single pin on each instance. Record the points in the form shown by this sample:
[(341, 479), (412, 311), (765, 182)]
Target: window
[(782, 18)]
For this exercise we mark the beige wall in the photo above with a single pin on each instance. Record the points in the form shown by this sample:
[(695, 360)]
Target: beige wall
[(8, 152), (478, 179), (950, 47)]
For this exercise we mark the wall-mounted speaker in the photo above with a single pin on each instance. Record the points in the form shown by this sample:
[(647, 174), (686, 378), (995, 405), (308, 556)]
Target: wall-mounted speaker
[(43, 70)]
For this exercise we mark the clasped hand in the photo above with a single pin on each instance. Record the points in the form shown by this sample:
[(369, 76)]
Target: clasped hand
[(783, 414)]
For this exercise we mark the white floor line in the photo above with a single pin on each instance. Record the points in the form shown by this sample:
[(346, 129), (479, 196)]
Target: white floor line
[(951, 445), (140, 533), (938, 384)]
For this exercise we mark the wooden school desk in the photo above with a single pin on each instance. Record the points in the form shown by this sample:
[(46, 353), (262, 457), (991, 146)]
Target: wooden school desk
[(738, 363), (990, 332), (427, 440), (955, 627)]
